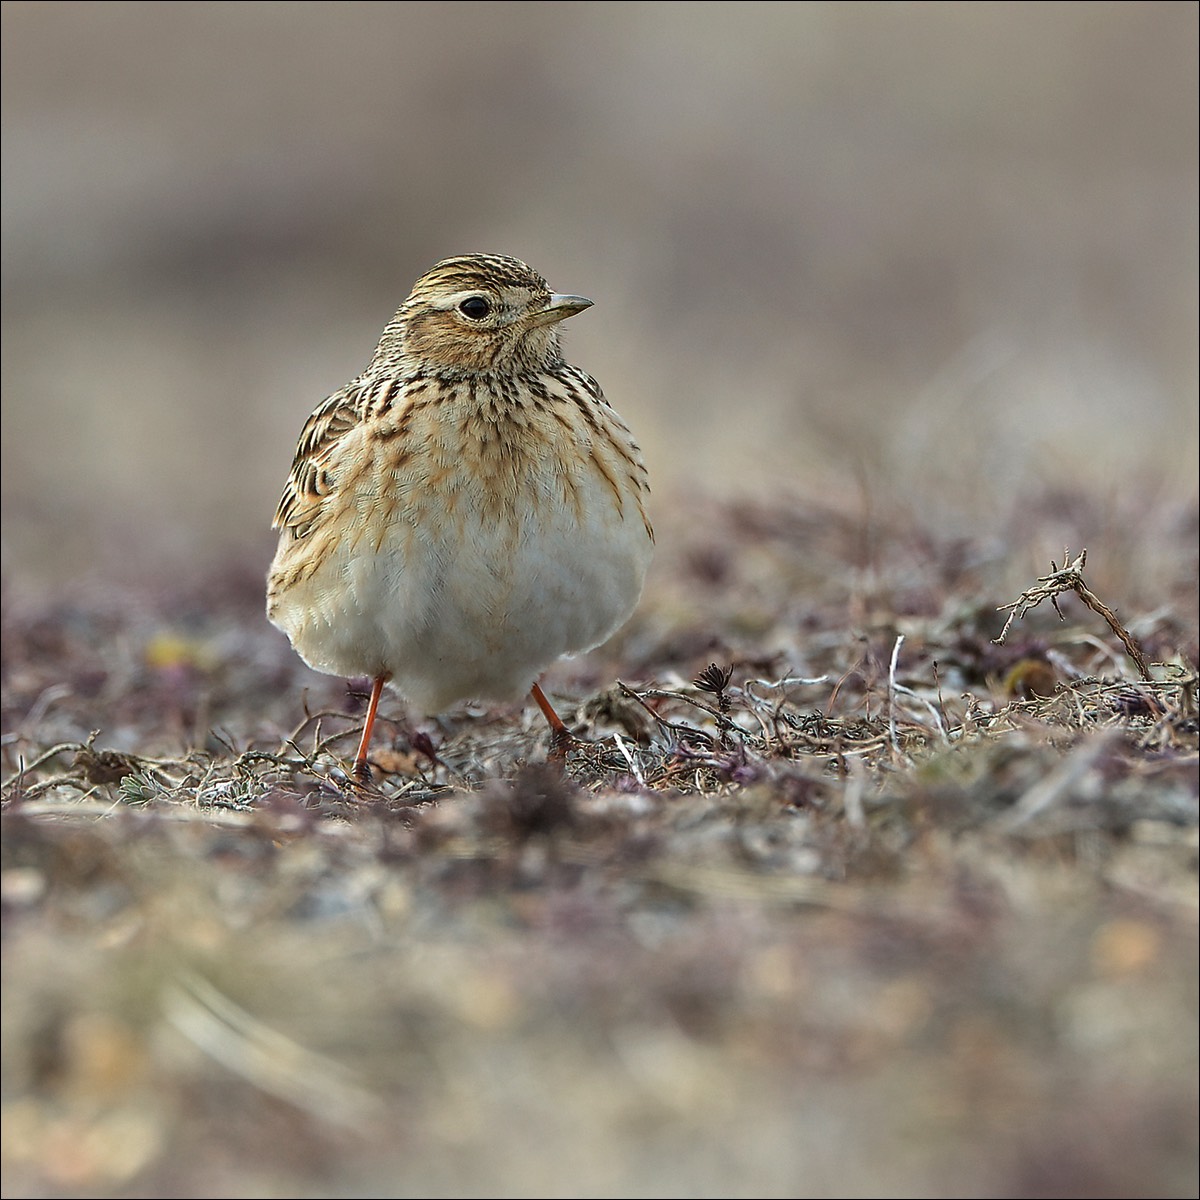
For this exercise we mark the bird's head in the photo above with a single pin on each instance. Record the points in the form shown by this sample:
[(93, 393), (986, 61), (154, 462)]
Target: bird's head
[(479, 314)]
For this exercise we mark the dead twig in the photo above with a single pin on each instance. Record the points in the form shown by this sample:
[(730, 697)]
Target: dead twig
[(891, 695), (1070, 579)]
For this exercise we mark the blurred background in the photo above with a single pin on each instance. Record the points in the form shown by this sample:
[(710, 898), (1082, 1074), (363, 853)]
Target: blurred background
[(928, 256)]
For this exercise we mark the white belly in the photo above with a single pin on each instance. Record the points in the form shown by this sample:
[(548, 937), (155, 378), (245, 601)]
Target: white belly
[(471, 601)]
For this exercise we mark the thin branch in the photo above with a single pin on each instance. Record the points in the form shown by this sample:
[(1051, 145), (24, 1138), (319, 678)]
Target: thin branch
[(1070, 579), (892, 693)]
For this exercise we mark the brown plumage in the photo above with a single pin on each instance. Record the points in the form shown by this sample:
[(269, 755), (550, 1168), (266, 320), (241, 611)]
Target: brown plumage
[(466, 510)]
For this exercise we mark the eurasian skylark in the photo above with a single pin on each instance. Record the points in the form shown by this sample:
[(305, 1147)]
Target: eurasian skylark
[(466, 510)]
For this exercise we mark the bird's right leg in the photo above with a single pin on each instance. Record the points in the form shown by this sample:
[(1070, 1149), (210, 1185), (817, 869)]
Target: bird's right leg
[(362, 771), (560, 735)]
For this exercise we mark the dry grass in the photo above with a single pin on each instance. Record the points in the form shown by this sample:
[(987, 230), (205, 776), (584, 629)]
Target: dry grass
[(876, 907), (836, 896)]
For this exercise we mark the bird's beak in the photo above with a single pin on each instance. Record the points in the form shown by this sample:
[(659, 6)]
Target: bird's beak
[(558, 308)]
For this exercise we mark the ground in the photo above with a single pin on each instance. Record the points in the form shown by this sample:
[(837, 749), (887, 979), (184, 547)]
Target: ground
[(834, 896)]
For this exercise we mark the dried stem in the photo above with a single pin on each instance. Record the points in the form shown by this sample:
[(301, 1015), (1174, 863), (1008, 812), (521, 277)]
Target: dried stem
[(1070, 579)]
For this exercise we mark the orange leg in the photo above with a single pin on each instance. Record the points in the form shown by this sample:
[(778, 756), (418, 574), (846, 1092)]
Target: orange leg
[(560, 735), (361, 770)]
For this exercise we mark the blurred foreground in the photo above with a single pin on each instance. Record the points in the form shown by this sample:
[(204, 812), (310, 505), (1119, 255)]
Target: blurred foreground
[(887, 909)]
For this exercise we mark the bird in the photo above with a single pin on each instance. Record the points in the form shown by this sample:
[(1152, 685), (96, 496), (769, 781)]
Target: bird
[(468, 509)]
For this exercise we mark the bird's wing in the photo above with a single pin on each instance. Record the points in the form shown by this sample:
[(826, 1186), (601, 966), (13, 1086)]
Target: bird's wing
[(313, 477)]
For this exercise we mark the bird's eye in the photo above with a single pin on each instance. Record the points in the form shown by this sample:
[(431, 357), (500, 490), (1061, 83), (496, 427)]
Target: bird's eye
[(475, 307)]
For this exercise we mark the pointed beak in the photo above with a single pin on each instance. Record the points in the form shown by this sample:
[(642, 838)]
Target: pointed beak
[(558, 308)]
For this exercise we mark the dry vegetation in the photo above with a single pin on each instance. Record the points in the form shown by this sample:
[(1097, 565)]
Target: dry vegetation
[(836, 896)]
